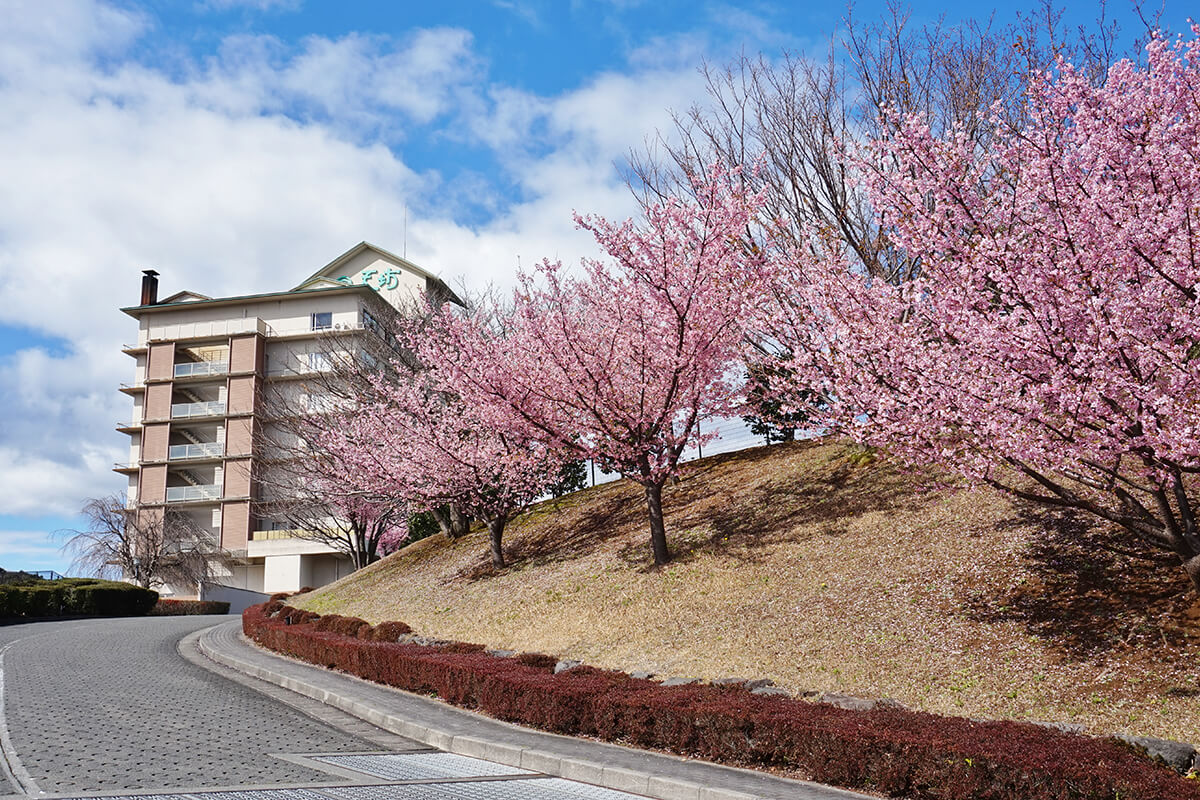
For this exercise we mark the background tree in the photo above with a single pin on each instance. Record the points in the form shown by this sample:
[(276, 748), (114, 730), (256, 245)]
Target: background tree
[(1049, 345), (794, 116), (620, 364), (152, 548), (572, 476), (775, 411)]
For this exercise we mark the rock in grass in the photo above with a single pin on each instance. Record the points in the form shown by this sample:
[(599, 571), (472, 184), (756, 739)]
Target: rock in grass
[(642, 675), (680, 681), (1065, 727), (1179, 756), (857, 703), (501, 653), (729, 681), (770, 691), (566, 664)]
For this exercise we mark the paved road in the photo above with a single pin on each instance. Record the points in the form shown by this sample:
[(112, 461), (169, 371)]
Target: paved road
[(130, 706), (107, 705)]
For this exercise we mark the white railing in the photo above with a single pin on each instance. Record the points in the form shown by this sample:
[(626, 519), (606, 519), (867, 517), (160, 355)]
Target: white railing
[(202, 450), (212, 409), (193, 369), (176, 494)]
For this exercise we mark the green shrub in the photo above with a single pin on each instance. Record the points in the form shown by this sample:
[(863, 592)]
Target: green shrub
[(75, 597)]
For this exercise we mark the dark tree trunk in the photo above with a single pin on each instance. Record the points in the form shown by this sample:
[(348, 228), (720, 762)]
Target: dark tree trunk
[(658, 530), (495, 539), (1191, 565)]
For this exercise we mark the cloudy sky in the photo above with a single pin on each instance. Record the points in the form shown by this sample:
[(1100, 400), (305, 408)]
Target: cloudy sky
[(237, 145)]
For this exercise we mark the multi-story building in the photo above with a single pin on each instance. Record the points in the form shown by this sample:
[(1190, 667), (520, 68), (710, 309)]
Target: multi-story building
[(204, 368)]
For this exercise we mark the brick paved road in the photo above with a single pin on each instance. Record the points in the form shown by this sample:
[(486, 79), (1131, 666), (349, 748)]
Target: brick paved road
[(109, 705)]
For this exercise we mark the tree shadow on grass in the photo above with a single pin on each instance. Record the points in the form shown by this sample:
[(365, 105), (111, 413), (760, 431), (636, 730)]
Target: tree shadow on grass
[(1091, 590), (733, 503)]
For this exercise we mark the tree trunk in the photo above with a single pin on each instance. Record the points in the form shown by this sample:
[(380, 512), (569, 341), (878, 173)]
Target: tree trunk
[(658, 530), (495, 537), (1191, 565), (441, 516), (460, 523)]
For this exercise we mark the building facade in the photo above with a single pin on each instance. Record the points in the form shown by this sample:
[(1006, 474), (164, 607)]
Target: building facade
[(204, 368)]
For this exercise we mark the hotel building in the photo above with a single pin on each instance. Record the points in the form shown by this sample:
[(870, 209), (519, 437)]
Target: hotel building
[(204, 366)]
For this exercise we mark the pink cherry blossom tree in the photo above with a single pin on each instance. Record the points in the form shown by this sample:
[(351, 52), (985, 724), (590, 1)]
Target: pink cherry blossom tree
[(1050, 345), (417, 441), (620, 363)]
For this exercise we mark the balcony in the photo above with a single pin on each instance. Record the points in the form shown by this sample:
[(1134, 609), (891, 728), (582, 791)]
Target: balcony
[(195, 369), (263, 536), (178, 494), (180, 452), (185, 410)]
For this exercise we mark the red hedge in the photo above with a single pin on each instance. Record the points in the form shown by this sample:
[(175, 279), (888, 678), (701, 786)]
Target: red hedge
[(898, 752)]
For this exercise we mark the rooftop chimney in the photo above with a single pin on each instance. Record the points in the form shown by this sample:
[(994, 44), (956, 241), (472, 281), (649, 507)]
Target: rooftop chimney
[(149, 287)]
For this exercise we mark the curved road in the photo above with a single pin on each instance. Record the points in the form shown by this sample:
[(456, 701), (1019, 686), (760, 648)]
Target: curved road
[(109, 705)]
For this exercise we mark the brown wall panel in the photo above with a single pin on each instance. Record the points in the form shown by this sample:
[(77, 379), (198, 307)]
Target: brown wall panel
[(245, 353), (241, 394), (235, 525), (239, 436), (237, 478), (162, 361), (158, 401), (155, 439), (152, 484)]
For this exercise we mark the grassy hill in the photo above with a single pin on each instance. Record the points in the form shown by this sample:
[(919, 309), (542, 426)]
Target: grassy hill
[(820, 567)]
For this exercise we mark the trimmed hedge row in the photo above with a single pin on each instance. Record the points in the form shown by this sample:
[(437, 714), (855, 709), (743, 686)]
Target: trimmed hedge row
[(166, 607), (897, 752), (75, 597)]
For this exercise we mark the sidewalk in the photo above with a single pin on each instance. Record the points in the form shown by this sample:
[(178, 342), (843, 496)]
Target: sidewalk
[(454, 730)]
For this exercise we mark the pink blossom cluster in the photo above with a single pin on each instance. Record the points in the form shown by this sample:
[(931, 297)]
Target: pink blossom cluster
[(618, 364), (1054, 327)]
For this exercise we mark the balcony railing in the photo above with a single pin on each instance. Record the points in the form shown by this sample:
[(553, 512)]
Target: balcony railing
[(196, 368), (212, 409), (177, 494), (203, 450), (262, 536)]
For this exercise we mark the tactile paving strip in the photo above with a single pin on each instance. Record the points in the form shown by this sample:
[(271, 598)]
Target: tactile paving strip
[(520, 789), (419, 766), (256, 794)]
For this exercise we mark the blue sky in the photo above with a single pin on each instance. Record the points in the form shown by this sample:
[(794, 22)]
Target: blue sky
[(238, 145)]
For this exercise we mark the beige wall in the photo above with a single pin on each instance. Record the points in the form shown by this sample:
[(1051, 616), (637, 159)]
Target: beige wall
[(155, 439), (400, 288), (158, 401)]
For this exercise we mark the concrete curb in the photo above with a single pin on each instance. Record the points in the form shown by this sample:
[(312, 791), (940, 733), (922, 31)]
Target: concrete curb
[(537, 759)]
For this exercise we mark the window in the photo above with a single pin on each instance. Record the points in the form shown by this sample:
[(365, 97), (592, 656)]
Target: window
[(318, 362), (319, 403), (369, 322), (322, 320)]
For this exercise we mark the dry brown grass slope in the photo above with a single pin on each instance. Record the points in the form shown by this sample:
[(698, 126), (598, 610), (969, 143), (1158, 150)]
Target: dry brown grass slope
[(820, 568)]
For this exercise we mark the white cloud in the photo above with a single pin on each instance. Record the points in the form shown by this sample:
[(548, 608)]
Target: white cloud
[(244, 173)]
